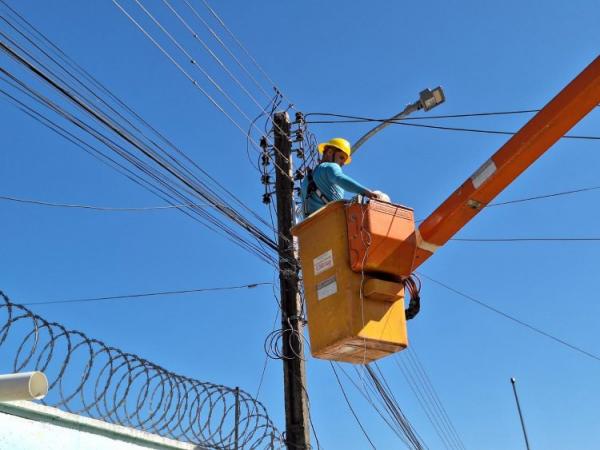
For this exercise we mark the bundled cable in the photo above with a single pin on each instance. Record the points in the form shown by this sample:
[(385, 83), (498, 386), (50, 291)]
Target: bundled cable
[(413, 285)]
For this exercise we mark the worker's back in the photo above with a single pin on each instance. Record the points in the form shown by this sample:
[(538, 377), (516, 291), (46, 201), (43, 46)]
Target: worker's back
[(330, 184)]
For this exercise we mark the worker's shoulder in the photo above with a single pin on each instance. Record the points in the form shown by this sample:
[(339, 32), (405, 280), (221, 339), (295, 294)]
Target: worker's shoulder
[(328, 167)]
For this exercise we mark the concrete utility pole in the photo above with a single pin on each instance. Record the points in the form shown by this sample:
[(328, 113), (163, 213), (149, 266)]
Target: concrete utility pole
[(294, 380)]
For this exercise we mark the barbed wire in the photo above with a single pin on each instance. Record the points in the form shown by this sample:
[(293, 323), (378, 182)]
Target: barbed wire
[(88, 377)]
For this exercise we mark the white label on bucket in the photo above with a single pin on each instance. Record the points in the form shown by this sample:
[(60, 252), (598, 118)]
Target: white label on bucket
[(483, 173), (326, 288), (323, 262)]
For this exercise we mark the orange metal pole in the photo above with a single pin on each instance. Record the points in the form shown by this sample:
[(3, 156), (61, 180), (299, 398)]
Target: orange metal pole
[(561, 114)]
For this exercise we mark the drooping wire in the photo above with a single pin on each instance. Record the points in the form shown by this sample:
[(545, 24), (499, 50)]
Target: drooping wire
[(122, 134), (379, 384), (512, 318), (244, 49), (404, 122), (417, 378), (361, 119), (93, 207), (147, 294), (83, 74), (362, 428), (189, 76)]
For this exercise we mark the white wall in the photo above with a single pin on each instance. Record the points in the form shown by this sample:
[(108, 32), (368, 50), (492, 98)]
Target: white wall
[(30, 426)]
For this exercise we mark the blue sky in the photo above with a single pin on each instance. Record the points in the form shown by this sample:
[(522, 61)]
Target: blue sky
[(360, 58)]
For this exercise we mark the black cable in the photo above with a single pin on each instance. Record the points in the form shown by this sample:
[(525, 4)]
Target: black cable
[(148, 294), (350, 405), (539, 197), (113, 127), (512, 318), (357, 119)]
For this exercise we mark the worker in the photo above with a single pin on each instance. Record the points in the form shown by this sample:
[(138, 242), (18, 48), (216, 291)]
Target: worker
[(326, 182)]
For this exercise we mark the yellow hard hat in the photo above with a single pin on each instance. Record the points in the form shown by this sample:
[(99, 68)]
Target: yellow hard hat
[(339, 143)]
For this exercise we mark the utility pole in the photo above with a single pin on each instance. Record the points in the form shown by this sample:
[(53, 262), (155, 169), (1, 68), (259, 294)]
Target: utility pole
[(513, 382), (294, 379)]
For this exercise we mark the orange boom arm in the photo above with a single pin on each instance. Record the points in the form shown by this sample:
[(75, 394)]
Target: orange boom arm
[(561, 114)]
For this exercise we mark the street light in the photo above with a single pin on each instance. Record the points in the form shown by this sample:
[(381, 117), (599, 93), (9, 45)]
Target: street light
[(428, 99)]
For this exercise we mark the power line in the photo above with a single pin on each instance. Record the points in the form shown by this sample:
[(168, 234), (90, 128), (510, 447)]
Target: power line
[(539, 197), (476, 130), (512, 318), (244, 49), (92, 207), (362, 428), (148, 294), (536, 197), (188, 184), (85, 75), (194, 63), (360, 119), (420, 383)]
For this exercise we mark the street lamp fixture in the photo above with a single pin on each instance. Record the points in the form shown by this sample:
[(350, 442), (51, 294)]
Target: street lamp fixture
[(428, 99)]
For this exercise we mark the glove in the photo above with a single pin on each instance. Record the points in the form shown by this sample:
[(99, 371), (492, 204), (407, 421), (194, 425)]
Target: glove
[(381, 196)]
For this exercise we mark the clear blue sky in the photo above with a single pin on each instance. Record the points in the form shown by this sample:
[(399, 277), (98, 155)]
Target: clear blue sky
[(362, 58)]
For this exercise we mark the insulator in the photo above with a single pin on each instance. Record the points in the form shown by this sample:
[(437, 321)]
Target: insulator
[(299, 135), (263, 143), (265, 159), (299, 117), (265, 179), (266, 199), (300, 153), (298, 175)]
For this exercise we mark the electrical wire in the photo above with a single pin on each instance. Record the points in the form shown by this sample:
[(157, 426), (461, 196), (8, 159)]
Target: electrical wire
[(476, 130), (244, 49), (83, 74), (512, 318), (362, 428), (544, 196), (419, 382), (120, 150), (536, 197), (96, 115), (97, 208), (381, 387), (148, 294), (459, 129), (361, 119), (194, 62)]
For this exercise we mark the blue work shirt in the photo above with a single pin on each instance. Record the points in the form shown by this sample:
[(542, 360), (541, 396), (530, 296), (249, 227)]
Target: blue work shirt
[(332, 183)]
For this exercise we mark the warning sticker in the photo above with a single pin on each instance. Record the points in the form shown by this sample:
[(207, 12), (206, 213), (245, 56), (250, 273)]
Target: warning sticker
[(323, 262), (326, 288), (483, 173)]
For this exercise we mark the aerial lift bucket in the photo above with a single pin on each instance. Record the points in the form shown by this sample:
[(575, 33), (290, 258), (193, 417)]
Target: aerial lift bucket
[(354, 257)]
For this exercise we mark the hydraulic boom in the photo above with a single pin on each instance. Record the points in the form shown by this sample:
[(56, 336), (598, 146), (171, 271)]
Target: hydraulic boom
[(561, 114), (358, 258)]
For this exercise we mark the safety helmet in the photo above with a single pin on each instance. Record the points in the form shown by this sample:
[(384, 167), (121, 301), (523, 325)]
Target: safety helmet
[(339, 143)]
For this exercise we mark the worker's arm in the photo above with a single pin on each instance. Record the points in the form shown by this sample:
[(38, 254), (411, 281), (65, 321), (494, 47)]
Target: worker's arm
[(336, 176)]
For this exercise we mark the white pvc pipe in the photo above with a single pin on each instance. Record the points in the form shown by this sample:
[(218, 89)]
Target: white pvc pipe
[(23, 386)]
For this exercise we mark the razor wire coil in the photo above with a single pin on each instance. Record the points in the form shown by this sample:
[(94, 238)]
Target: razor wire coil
[(88, 377)]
